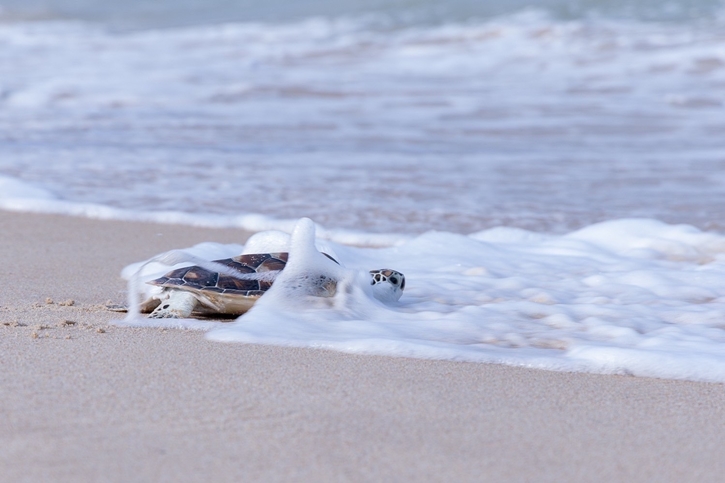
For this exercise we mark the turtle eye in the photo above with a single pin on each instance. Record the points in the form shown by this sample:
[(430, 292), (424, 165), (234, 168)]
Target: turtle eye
[(394, 280), (402, 284)]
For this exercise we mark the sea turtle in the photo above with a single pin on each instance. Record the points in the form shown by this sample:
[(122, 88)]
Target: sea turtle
[(238, 283)]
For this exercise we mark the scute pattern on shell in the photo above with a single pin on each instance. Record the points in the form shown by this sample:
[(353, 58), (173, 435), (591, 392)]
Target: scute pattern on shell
[(202, 279)]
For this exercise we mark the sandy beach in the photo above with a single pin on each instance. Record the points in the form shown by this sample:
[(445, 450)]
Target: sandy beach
[(85, 400)]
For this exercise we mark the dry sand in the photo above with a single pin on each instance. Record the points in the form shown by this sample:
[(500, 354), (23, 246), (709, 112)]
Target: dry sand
[(82, 400)]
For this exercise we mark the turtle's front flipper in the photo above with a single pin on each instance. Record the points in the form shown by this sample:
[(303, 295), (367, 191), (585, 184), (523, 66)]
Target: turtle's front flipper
[(178, 305), (149, 306)]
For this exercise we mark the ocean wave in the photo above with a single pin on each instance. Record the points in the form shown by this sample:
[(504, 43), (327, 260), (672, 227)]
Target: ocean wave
[(18, 196), (521, 120)]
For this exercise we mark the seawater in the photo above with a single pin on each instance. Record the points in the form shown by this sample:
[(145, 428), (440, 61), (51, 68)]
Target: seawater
[(522, 120), (495, 155)]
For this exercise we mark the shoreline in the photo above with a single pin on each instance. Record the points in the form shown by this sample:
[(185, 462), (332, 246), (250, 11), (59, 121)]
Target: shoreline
[(83, 400)]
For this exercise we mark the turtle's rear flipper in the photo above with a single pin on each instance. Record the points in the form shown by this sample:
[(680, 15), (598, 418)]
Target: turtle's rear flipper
[(149, 306), (117, 307), (145, 308)]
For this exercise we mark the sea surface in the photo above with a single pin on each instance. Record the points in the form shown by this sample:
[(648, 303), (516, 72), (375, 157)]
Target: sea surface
[(550, 176)]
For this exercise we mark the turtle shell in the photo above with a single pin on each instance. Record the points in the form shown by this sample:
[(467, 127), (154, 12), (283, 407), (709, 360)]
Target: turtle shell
[(196, 278)]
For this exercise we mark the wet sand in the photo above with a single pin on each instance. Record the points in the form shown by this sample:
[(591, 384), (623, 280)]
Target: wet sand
[(84, 400)]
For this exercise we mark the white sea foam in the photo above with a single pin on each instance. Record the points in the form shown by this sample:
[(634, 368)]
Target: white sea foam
[(635, 297)]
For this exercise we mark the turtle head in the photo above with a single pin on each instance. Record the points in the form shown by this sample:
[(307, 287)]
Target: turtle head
[(388, 285)]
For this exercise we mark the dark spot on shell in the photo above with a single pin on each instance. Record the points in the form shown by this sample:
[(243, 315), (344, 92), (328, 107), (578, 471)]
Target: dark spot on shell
[(271, 264), (233, 264), (201, 276), (252, 260), (227, 282)]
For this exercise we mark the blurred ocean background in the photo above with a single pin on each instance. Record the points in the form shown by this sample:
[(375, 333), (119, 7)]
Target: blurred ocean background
[(371, 116), (140, 14)]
